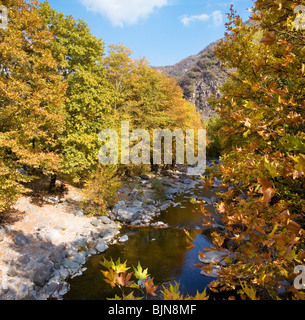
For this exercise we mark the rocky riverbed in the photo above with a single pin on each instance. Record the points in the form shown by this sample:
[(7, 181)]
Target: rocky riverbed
[(50, 241)]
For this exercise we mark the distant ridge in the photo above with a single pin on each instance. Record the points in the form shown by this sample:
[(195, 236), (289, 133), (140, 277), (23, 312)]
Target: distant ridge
[(199, 76)]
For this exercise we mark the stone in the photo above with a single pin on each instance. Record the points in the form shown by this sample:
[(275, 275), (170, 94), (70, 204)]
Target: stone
[(123, 239), (108, 234), (213, 274), (42, 259), (20, 239), (7, 229), (118, 206), (79, 258), (128, 215), (136, 222), (172, 191), (24, 260), (52, 235), (283, 287), (165, 205), (12, 271), (63, 288), (64, 273), (137, 204), (214, 256), (81, 242), (106, 220), (101, 246), (92, 251), (23, 292), (95, 222), (70, 264), (50, 288), (42, 275), (79, 213), (46, 245), (58, 254), (94, 235), (2, 234), (159, 224), (144, 176)]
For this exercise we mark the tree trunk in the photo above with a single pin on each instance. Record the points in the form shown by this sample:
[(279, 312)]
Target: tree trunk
[(52, 182)]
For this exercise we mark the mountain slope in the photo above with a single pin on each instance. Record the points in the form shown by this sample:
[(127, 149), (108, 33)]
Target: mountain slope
[(199, 76)]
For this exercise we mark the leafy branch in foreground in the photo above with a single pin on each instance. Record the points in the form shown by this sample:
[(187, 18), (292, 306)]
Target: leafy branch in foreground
[(262, 112), (138, 284)]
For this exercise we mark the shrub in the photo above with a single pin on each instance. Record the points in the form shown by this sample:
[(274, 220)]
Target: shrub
[(100, 190)]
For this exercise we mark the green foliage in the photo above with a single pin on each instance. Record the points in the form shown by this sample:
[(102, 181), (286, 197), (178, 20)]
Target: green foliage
[(214, 145), (159, 189), (80, 58)]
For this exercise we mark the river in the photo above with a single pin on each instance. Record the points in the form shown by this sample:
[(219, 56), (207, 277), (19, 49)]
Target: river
[(163, 251)]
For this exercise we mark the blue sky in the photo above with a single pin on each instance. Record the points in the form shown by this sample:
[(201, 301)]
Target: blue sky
[(163, 31)]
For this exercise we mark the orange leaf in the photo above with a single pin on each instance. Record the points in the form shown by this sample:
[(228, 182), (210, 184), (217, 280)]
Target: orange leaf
[(150, 287), (198, 265), (269, 38), (202, 255), (123, 279)]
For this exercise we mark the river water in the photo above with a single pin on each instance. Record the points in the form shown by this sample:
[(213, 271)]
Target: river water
[(163, 251)]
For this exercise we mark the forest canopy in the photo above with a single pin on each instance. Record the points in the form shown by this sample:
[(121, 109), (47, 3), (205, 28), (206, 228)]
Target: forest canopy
[(59, 87)]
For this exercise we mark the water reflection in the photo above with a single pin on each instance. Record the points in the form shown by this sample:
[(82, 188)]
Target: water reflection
[(162, 251)]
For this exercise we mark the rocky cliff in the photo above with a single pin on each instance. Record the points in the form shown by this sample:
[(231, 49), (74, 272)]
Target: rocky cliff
[(199, 77)]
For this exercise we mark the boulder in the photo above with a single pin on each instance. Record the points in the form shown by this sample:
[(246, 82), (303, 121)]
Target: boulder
[(101, 246), (70, 264), (123, 239), (213, 274), (42, 274), (214, 256), (20, 239), (128, 215), (106, 220), (58, 254), (79, 213), (109, 233), (95, 222), (171, 191), (52, 235)]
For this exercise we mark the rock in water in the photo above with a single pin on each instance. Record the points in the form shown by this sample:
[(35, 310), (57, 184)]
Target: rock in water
[(214, 256), (101, 246), (123, 239), (128, 215)]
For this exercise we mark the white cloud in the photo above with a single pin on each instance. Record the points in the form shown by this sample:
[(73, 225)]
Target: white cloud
[(216, 16), (186, 20), (124, 12)]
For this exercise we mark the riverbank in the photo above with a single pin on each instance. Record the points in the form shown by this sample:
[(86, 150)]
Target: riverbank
[(49, 242)]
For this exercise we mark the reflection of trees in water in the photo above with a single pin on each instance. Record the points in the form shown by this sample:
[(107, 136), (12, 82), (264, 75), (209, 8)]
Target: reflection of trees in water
[(162, 251)]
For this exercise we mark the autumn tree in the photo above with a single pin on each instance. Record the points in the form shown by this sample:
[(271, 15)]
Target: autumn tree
[(147, 98), (262, 111), (31, 99), (88, 105)]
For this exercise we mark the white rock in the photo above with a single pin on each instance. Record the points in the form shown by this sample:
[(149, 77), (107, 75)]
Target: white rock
[(214, 256), (123, 239)]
